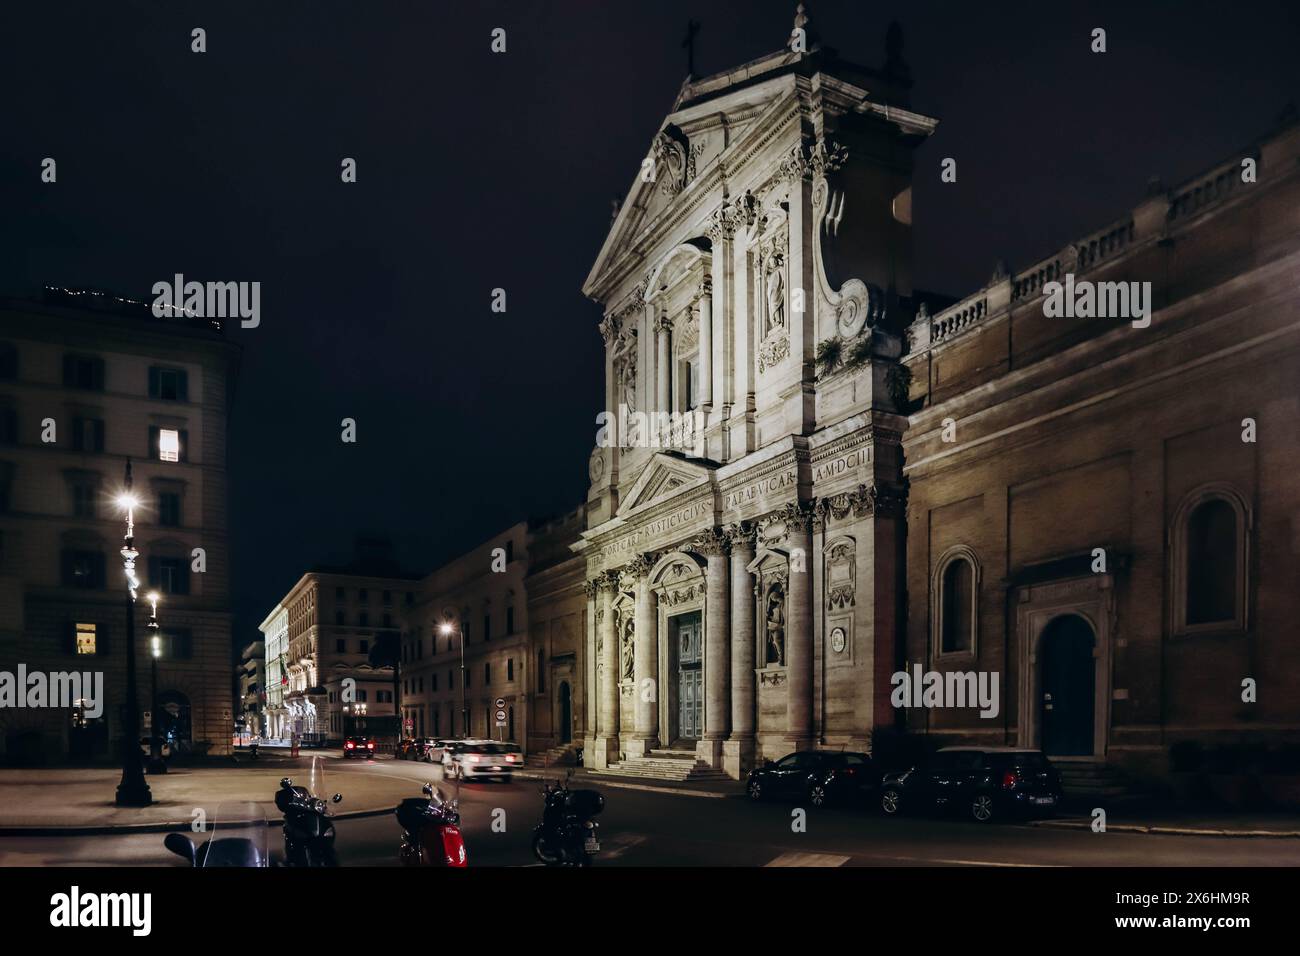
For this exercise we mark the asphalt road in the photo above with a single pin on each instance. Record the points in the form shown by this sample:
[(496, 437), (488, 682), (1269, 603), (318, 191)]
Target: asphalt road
[(640, 828)]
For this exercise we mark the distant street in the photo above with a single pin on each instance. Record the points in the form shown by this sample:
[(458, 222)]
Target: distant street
[(640, 828)]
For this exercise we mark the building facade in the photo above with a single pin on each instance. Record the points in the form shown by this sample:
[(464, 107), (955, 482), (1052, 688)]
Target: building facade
[(806, 485), (340, 626), (557, 629), (251, 675), (275, 637), (465, 645), (1110, 520), (515, 606), (745, 519), (89, 382)]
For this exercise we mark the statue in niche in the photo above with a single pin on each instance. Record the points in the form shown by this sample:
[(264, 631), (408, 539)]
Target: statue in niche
[(775, 625), (629, 381), (627, 649), (774, 285)]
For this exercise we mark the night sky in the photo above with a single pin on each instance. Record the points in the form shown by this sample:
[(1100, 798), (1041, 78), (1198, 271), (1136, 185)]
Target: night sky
[(478, 171)]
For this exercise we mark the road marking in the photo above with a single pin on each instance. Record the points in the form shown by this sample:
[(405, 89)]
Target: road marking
[(621, 844), (808, 859)]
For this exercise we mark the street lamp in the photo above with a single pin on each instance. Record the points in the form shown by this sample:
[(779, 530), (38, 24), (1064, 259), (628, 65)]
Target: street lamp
[(133, 790), (156, 762), (446, 628)]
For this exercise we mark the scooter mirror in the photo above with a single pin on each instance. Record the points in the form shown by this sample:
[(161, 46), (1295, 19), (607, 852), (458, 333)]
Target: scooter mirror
[(285, 783), (181, 845), (338, 798), (427, 789)]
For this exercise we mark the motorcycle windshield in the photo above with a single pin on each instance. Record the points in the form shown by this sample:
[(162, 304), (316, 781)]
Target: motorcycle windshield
[(316, 779), (238, 837)]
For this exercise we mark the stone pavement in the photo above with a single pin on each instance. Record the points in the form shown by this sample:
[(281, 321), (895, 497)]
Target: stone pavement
[(80, 800)]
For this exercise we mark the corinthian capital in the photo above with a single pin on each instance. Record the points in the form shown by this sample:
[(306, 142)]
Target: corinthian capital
[(639, 566), (711, 543), (740, 535)]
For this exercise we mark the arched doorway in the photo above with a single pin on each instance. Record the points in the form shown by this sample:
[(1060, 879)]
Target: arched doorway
[(174, 721), (566, 713), (1067, 681)]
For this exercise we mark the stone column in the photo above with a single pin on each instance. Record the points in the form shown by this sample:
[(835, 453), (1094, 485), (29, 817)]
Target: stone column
[(706, 345), (606, 748), (717, 647), (646, 694), (738, 751), (799, 629), (663, 367)]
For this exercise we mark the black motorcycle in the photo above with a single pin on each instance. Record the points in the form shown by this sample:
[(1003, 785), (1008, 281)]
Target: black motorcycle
[(308, 829), (567, 834)]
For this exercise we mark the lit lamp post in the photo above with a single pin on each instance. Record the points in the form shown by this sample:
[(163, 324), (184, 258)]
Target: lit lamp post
[(133, 791), (446, 628), (156, 762)]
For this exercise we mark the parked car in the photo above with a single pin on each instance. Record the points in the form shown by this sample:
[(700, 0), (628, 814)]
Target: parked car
[(414, 748), (817, 776), (358, 746), (984, 783), (480, 759)]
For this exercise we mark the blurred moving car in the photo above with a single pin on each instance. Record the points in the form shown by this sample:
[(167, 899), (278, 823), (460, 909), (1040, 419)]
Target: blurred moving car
[(817, 776), (482, 759), (358, 745), (984, 783)]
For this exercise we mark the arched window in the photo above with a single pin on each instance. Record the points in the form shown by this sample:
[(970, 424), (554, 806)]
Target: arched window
[(955, 601), (1210, 548)]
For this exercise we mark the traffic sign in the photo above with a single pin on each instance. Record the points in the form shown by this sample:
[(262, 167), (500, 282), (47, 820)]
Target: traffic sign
[(501, 702), (501, 716)]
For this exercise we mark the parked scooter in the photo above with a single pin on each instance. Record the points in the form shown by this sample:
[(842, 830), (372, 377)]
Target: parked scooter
[(430, 834), (567, 834), (308, 829), (238, 838)]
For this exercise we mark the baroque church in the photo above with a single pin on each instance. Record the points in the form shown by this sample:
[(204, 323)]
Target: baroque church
[(873, 478)]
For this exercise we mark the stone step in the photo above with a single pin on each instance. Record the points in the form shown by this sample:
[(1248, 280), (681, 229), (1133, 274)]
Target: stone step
[(659, 768), (1090, 779)]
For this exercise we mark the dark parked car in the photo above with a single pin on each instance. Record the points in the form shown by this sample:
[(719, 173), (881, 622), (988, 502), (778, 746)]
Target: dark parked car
[(984, 783), (818, 776), (358, 746), (415, 748)]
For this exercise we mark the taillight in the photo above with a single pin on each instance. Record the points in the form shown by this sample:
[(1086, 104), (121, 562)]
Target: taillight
[(348, 746), (510, 758), (453, 846), (473, 759), (370, 746), (1009, 780)]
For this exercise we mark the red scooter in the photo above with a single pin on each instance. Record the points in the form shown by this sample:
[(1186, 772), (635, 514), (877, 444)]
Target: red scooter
[(430, 834)]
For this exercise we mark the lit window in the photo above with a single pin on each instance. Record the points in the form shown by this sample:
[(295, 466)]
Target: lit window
[(85, 638), (169, 444)]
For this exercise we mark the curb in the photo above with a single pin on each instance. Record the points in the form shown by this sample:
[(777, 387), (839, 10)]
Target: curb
[(1167, 831), (40, 830), (603, 781)]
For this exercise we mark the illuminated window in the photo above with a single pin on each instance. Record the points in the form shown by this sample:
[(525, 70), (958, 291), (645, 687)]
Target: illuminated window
[(85, 638), (169, 444)]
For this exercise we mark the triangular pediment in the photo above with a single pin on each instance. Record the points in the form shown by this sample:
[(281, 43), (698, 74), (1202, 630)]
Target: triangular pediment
[(664, 477), (686, 146)]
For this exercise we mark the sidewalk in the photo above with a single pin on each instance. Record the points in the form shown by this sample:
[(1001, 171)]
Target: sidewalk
[(80, 801), (1171, 819), (716, 789)]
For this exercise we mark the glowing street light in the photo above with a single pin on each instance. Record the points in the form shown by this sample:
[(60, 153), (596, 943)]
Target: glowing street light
[(132, 791), (446, 628)]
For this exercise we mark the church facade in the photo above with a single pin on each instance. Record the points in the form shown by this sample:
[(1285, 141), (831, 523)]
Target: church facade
[(745, 519), (810, 478)]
